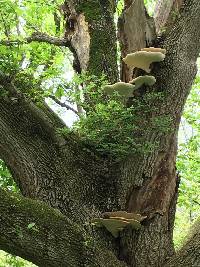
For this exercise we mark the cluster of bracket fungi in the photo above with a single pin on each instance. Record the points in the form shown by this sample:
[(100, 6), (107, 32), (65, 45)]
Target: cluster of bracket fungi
[(142, 60), (116, 221)]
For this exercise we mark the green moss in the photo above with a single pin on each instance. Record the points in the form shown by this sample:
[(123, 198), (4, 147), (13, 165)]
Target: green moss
[(30, 221), (103, 53), (103, 59), (34, 209), (94, 9), (91, 9)]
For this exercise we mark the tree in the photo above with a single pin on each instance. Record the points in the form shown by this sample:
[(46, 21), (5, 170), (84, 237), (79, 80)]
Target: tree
[(66, 183)]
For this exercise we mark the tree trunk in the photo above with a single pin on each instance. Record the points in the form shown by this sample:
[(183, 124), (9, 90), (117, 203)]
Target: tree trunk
[(93, 36), (74, 179)]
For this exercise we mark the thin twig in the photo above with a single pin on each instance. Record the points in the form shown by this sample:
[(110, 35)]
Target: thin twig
[(64, 105), (196, 202)]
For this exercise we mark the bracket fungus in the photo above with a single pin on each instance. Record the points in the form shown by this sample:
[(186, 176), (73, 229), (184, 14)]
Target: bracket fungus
[(115, 222), (123, 89), (143, 59), (140, 59), (124, 214), (143, 80), (154, 49)]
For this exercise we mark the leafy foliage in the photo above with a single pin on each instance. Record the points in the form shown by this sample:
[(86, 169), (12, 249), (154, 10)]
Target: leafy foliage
[(150, 5), (6, 180), (32, 65), (188, 164), (189, 153), (182, 225), (109, 124), (7, 260), (120, 6)]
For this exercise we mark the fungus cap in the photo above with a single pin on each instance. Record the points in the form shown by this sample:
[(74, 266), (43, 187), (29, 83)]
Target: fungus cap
[(143, 59), (154, 49), (124, 214), (143, 80), (123, 89), (114, 226)]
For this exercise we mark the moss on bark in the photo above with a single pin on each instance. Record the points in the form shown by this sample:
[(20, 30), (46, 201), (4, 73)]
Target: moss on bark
[(103, 48)]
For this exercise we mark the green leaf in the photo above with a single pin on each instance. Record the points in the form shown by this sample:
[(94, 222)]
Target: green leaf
[(31, 225)]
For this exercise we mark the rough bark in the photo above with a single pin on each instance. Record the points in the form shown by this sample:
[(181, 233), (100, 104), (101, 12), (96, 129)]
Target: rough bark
[(166, 12), (51, 234), (48, 165), (135, 30), (131, 33), (38, 37), (93, 36), (153, 178), (154, 241), (43, 235), (80, 183), (180, 68)]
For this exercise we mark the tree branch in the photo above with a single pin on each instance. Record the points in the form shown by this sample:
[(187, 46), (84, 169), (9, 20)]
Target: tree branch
[(43, 37), (42, 160), (39, 37), (21, 119), (165, 13), (51, 233), (38, 233), (64, 105)]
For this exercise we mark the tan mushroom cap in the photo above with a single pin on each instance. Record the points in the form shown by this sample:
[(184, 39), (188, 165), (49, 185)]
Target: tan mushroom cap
[(116, 224), (154, 49), (143, 59), (143, 80), (123, 89), (124, 214)]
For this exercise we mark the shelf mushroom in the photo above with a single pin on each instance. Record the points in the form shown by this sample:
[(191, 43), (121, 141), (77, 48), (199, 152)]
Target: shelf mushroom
[(143, 80), (154, 49), (123, 89), (115, 222), (143, 59)]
